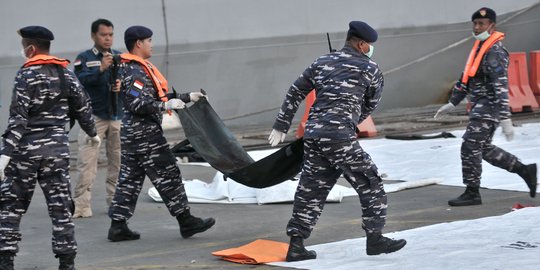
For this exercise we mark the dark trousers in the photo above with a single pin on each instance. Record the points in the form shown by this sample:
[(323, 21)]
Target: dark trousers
[(477, 146), (160, 166), (16, 192), (324, 162)]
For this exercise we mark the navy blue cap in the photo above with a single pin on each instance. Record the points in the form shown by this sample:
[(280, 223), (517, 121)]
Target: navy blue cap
[(485, 13), (363, 31), (137, 32), (36, 32)]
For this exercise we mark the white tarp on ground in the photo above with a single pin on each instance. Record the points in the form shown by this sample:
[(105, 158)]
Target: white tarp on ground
[(231, 192), (440, 158), (419, 162), (510, 241)]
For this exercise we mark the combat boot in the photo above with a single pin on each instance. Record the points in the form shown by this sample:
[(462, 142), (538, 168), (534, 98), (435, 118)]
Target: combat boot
[(119, 231), (377, 244), (297, 251), (528, 173), (471, 196), (67, 261), (6, 260), (190, 225)]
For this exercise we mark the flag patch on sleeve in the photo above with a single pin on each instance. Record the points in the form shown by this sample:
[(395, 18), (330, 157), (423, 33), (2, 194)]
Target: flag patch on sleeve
[(134, 92), (138, 84), (136, 87)]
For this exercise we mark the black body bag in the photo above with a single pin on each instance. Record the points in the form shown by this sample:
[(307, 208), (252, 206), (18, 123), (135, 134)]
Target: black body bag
[(214, 142)]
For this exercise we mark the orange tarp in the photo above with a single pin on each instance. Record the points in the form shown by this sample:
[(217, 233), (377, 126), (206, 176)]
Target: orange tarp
[(256, 252)]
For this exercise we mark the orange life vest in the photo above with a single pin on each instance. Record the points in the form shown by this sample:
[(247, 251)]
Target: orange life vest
[(475, 56), (159, 81), (42, 59)]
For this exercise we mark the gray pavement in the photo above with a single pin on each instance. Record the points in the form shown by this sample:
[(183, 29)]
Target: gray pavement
[(161, 246)]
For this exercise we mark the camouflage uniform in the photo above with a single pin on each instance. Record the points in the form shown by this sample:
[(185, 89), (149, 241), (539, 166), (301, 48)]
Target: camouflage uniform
[(144, 149), (488, 94), (37, 142), (348, 86)]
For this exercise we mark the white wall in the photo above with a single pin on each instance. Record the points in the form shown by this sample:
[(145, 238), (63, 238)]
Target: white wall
[(199, 21)]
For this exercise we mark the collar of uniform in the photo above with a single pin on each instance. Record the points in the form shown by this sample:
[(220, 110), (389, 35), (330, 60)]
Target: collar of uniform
[(97, 52), (349, 49)]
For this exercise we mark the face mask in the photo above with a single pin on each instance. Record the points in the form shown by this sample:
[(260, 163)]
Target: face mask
[(370, 52), (482, 36), (23, 52), (23, 55)]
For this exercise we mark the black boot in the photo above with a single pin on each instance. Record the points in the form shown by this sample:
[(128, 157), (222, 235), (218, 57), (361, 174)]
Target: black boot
[(6, 260), (471, 196), (119, 231), (297, 251), (67, 261), (528, 173), (377, 244), (190, 225)]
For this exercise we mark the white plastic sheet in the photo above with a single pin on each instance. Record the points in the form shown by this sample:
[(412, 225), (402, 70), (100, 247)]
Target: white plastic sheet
[(510, 241), (421, 162)]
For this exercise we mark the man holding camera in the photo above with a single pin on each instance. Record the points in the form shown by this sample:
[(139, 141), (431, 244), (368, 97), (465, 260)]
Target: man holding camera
[(96, 69)]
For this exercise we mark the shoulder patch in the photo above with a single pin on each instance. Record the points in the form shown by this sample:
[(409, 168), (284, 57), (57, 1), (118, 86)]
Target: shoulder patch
[(138, 84), (136, 87), (93, 63), (77, 62)]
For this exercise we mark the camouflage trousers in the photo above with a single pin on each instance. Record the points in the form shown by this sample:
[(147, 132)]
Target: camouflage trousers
[(324, 162), (477, 146), (160, 166), (16, 192)]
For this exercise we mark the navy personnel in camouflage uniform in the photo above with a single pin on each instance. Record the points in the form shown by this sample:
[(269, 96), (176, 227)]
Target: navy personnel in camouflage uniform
[(348, 86), (488, 90), (35, 146), (144, 148)]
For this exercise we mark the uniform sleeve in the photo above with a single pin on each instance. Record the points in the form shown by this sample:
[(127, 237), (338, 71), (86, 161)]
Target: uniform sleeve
[(373, 93), (297, 92), (496, 69), (138, 92), (88, 75), (459, 92), (80, 106), (18, 115)]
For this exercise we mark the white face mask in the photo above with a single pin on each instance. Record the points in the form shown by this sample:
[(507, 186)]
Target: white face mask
[(23, 55), (370, 52), (23, 52), (482, 36)]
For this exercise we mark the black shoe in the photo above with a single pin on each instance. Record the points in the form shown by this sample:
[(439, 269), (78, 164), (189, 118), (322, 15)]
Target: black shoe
[(297, 251), (190, 225), (119, 231), (67, 261), (6, 260), (471, 196), (530, 178), (377, 244)]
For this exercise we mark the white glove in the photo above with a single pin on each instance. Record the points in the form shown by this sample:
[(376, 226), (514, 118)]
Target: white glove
[(445, 109), (174, 104), (93, 141), (507, 129), (195, 96), (4, 161), (276, 137)]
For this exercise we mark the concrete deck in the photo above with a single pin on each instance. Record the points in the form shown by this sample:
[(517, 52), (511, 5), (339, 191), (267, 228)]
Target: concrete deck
[(161, 246)]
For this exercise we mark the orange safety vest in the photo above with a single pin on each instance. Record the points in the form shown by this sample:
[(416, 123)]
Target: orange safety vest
[(159, 81), (42, 59), (475, 56)]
